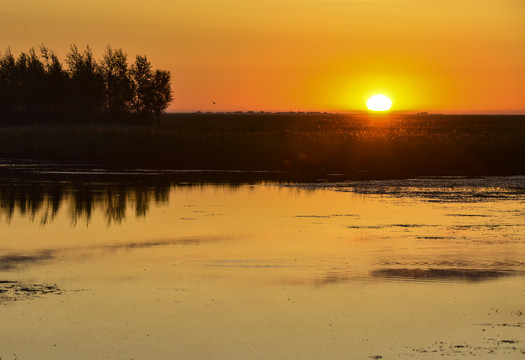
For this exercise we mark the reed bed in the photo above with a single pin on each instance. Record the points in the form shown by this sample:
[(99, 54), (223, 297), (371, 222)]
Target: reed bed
[(397, 145)]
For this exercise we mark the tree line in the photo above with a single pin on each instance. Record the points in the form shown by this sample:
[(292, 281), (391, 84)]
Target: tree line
[(38, 88)]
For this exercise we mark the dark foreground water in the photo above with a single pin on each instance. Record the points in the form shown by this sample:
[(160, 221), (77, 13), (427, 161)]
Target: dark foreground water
[(93, 266)]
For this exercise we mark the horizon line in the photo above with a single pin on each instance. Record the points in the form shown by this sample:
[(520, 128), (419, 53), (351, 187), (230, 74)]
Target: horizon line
[(262, 112)]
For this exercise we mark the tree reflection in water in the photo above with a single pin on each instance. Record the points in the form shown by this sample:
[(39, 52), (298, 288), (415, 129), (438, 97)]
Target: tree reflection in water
[(43, 199)]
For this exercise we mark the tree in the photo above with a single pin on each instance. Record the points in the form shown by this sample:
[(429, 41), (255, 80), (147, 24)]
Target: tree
[(29, 85), (152, 89), (142, 80), (161, 92), (40, 88), (117, 83), (8, 86), (56, 83), (87, 84)]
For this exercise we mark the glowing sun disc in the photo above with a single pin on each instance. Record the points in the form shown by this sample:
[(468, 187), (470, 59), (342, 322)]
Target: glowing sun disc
[(379, 103)]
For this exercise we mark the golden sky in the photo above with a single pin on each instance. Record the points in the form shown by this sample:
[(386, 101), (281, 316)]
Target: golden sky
[(313, 55)]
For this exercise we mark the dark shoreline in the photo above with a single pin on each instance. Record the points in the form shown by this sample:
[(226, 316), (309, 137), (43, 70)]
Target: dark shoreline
[(284, 146)]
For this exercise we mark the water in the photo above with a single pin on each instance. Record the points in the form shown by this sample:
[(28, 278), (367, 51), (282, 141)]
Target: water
[(135, 268)]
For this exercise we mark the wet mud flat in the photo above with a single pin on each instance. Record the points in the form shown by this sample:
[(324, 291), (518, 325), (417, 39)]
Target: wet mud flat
[(444, 189), (487, 347), (501, 337), (20, 291), (493, 340)]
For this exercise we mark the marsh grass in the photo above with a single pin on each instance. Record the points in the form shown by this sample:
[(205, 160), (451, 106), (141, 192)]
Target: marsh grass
[(396, 145)]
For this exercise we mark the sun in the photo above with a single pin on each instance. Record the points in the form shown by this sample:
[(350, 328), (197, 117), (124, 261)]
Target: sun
[(379, 103)]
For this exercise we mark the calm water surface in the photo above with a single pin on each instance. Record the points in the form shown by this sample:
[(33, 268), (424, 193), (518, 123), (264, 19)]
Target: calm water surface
[(420, 268)]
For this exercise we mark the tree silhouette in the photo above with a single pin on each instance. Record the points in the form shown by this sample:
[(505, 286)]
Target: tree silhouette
[(117, 84), (161, 93), (152, 89), (39, 88), (56, 84), (87, 83), (26, 85), (142, 79), (8, 86)]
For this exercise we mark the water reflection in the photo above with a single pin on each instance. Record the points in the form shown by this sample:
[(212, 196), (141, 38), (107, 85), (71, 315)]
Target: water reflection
[(40, 198), (15, 261), (343, 232), (44, 199), (455, 275)]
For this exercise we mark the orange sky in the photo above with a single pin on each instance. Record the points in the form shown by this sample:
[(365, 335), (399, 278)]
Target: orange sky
[(312, 55)]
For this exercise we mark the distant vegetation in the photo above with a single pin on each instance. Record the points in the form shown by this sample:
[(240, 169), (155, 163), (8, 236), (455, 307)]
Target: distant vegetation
[(39, 89), (361, 146)]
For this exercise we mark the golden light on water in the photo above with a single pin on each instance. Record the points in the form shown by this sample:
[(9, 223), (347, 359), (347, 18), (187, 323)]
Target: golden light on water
[(254, 259), (379, 103)]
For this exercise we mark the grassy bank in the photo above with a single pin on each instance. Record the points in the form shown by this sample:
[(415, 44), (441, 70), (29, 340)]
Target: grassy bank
[(386, 145)]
